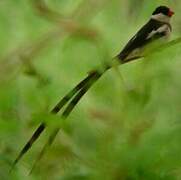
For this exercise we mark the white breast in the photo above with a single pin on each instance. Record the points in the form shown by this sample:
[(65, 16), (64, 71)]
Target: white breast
[(164, 28)]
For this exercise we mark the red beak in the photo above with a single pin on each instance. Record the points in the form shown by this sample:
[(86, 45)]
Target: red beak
[(170, 13)]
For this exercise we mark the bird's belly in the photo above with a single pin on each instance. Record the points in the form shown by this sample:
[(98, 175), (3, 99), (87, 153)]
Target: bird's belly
[(145, 50), (135, 53)]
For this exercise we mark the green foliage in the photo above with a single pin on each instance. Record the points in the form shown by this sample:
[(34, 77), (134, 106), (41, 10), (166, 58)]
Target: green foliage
[(126, 127)]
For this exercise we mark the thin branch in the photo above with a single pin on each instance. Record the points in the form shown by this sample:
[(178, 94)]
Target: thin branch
[(46, 12)]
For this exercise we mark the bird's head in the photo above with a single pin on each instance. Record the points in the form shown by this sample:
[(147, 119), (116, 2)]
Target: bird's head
[(162, 13)]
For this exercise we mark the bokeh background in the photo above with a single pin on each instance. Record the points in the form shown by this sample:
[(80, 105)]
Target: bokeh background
[(127, 127)]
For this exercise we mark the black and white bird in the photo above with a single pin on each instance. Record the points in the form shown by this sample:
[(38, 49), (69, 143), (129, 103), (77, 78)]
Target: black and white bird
[(156, 29)]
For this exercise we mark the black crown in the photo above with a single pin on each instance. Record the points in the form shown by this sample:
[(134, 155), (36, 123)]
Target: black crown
[(161, 9)]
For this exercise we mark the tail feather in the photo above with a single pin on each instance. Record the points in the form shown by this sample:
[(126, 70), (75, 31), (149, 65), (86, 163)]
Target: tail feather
[(94, 76), (55, 110), (28, 145), (82, 88), (65, 114)]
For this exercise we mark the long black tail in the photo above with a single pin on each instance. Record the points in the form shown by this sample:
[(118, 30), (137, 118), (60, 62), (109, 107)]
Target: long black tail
[(94, 76), (78, 91), (67, 111), (55, 110)]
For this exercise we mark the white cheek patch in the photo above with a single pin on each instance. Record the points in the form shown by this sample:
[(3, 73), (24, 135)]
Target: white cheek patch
[(161, 17), (163, 29)]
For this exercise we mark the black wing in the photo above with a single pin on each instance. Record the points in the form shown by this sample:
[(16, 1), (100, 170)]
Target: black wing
[(141, 37)]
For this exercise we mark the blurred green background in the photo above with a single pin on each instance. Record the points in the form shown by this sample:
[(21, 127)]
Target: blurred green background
[(127, 127)]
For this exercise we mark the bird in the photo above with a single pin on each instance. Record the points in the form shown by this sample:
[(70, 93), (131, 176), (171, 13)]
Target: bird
[(156, 31)]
